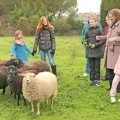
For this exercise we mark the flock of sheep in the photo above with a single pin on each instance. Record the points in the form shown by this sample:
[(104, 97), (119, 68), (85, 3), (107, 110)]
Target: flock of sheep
[(31, 79)]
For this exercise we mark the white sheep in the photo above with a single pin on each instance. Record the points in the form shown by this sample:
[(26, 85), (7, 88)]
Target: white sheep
[(40, 87)]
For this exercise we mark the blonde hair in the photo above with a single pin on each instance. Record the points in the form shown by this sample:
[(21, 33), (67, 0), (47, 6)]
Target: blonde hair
[(91, 14), (115, 12), (40, 24), (16, 35)]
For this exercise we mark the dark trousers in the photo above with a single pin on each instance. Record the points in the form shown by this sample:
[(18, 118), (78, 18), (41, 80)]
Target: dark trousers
[(111, 75), (94, 68)]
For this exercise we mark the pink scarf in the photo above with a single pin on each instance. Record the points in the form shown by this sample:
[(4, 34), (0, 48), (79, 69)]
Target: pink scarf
[(19, 42)]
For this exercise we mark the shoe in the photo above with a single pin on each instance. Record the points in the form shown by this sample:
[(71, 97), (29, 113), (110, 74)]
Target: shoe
[(112, 99), (97, 83), (85, 74)]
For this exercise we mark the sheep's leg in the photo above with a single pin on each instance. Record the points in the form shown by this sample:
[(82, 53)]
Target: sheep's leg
[(38, 108), (4, 90), (24, 101), (51, 99), (18, 99), (32, 107)]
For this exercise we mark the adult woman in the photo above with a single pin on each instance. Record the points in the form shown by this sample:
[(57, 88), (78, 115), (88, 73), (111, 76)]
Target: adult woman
[(45, 39), (112, 48)]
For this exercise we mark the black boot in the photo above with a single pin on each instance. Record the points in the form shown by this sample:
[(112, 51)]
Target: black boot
[(54, 70)]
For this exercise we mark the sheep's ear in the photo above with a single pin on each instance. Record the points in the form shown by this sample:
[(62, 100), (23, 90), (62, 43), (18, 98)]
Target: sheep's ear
[(22, 74)]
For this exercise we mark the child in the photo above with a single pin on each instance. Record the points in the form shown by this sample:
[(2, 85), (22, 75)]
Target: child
[(19, 48), (94, 51), (45, 39)]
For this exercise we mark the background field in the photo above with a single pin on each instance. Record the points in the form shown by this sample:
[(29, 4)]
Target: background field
[(76, 100)]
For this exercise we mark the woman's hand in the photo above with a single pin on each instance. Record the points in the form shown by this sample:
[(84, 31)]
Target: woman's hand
[(98, 38)]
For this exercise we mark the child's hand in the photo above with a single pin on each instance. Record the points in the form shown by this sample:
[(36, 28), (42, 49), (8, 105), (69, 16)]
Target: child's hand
[(92, 45), (12, 57)]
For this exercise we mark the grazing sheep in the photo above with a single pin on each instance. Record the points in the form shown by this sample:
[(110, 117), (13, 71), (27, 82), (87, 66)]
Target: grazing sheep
[(39, 66), (3, 78), (40, 87)]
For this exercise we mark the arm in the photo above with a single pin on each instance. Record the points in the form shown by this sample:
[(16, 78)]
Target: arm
[(53, 43), (102, 42), (83, 34), (12, 53), (28, 49), (36, 42)]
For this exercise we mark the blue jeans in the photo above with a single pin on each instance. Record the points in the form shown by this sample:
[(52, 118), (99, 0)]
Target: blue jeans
[(87, 66), (50, 57)]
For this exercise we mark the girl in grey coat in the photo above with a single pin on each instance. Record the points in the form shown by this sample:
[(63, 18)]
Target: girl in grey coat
[(45, 39)]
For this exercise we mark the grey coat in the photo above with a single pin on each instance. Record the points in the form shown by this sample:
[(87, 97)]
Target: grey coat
[(45, 40), (96, 52)]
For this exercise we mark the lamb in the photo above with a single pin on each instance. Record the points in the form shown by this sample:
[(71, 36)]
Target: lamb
[(40, 87)]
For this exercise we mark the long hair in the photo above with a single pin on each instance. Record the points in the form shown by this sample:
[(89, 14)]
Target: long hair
[(40, 24), (115, 12)]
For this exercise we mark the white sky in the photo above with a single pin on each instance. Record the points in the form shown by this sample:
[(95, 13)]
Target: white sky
[(89, 6)]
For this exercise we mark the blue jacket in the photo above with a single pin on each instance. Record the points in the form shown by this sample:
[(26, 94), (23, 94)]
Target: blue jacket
[(20, 51), (85, 29)]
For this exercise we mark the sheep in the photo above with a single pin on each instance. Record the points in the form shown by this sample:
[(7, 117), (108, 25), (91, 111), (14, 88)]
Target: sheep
[(40, 87), (14, 79), (23, 66), (15, 83), (3, 78)]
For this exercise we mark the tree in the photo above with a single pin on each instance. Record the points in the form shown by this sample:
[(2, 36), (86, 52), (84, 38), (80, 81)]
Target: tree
[(105, 7)]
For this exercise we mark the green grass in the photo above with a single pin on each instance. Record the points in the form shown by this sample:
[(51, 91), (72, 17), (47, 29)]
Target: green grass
[(76, 100)]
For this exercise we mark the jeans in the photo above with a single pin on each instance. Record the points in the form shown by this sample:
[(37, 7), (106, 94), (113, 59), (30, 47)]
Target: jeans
[(87, 66), (50, 57)]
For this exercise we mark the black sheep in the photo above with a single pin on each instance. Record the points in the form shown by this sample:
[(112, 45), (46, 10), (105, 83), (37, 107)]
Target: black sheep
[(15, 83), (3, 78)]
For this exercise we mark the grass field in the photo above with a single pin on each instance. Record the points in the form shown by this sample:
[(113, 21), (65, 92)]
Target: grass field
[(76, 100)]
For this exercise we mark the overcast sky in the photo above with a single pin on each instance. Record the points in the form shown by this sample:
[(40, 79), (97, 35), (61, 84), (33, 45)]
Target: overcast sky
[(89, 6)]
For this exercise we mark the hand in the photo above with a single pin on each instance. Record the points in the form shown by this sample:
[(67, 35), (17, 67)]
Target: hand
[(98, 38), (52, 51), (92, 45), (111, 40), (33, 53), (12, 57)]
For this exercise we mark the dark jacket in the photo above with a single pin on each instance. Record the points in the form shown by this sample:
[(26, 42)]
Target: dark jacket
[(45, 40), (90, 36)]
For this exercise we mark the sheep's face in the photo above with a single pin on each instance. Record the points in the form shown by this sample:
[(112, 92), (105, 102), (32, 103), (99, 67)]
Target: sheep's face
[(28, 78), (11, 74)]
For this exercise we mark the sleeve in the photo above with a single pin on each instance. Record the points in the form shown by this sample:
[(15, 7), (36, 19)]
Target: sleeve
[(13, 49), (28, 49), (53, 39), (117, 38), (36, 41), (83, 34), (101, 42)]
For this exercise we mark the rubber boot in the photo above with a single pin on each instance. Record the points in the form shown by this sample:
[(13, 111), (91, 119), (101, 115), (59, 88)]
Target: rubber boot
[(54, 71)]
